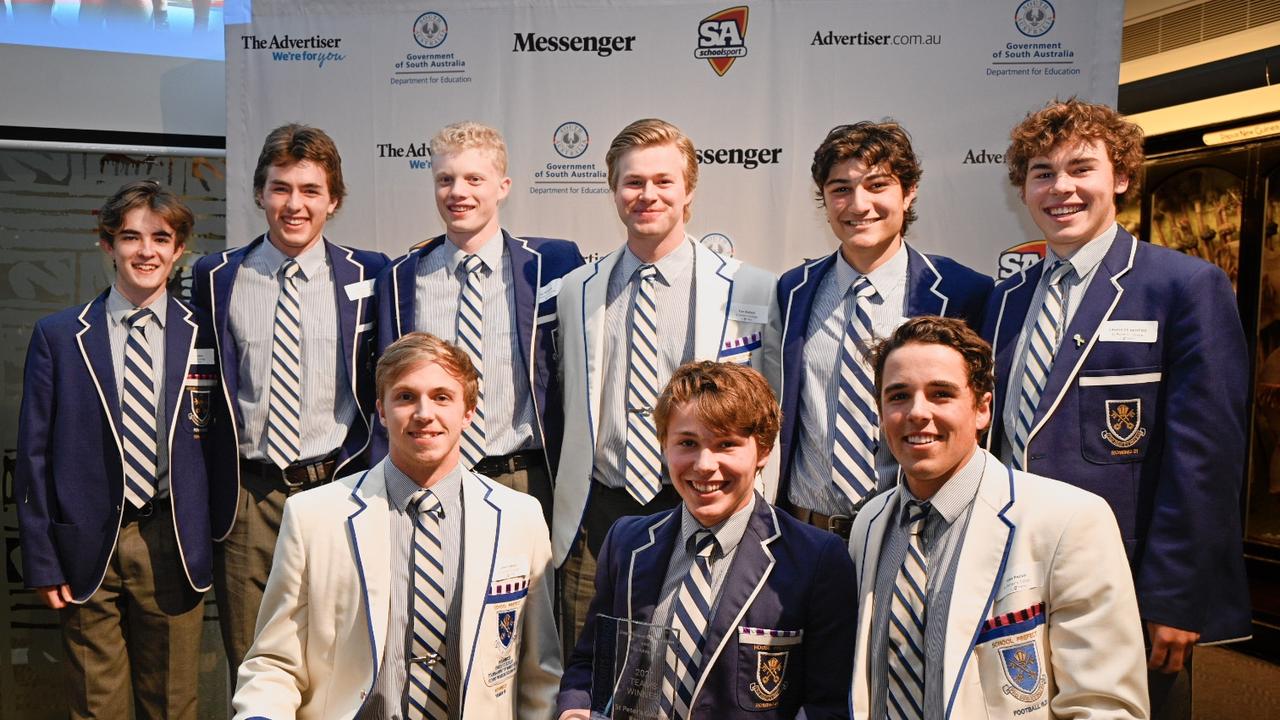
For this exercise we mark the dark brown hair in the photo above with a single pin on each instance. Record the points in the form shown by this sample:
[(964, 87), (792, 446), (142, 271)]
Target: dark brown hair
[(293, 143), (950, 332), (883, 143), (145, 194)]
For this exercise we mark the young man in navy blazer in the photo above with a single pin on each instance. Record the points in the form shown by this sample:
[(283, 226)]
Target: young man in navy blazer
[(867, 176), (515, 437), (293, 319), (764, 610), (120, 425), (1124, 372)]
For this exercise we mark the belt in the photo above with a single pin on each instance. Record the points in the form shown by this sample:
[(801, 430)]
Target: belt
[(296, 477), (838, 524), (509, 463), (133, 513)]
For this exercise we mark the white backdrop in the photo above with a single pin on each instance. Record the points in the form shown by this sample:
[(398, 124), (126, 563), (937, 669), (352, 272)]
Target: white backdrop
[(561, 78)]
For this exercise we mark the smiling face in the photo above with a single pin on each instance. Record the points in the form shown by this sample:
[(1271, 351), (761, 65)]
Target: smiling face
[(929, 414), (296, 201), (652, 197), (865, 209), (425, 413), (144, 251), (1071, 193), (469, 188), (713, 470)]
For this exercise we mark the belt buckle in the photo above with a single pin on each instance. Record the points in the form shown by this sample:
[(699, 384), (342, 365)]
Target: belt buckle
[(840, 525)]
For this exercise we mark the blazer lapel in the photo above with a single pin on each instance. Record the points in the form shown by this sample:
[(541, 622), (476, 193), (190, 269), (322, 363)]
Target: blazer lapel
[(923, 282), (179, 343), (799, 306), (345, 272), (751, 567), (481, 531), (594, 294), (1013, 311), (647, 566), (368, 526), (221, 281), (95, 348), (713, 290), (981, 565), (1099, 300), (405, 278), (526, 272)]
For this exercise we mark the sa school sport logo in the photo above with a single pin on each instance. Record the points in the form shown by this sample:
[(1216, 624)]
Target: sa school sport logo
[(722, 38), (1019, 258)]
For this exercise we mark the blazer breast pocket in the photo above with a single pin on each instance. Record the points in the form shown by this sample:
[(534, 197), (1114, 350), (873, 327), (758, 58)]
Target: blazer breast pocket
[(1012, 662), (739, 349), (1118, 413), (196, 406), (500, 629), (769, 665)]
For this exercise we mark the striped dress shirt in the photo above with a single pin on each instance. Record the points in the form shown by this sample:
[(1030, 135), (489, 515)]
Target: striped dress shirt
[(728, 534), (118, 334)]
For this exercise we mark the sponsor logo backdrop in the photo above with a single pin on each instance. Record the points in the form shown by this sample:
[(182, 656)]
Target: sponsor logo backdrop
[(756, 86)]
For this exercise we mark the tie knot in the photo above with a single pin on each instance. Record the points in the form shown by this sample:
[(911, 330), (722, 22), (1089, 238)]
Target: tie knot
[(704, 543), (472, 264), (139, 318), (648, 271), (862, 287), (289, 268), (916, 513), (1059, 272), (424, 501)]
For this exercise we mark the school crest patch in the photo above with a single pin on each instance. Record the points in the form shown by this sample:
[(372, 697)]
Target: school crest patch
[(1021, 664), (771, 673), (506, 627), (201, 405), (1124, 422)]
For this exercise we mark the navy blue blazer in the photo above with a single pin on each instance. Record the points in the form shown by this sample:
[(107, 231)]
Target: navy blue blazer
[(353, 273), (936, 285), (537, 264), (786, 576), (1145, 405), (69, 479)]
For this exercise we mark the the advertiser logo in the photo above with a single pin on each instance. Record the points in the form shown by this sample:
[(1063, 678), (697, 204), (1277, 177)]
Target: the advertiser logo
[(1034, 18), (722, 38), (316, 49), (430, 30), (982, 156), (571, 140), (1019, 258), (418, 154)]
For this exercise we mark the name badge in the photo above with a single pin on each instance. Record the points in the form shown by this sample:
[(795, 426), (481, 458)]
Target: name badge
[(550, 290), (357, 290), (1134, 331), (201, 356), (1018, 579), (749, 313)]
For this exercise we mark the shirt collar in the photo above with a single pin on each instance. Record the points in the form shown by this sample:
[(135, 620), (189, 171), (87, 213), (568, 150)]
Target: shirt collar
[(118, 306), (1087, 256), (490, 253), (885, 279), (310, 263), (400, 487), (670, 267), (956, 494), (728, 532)]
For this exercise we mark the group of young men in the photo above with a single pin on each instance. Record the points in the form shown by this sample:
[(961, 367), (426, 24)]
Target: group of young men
[(494, 454)]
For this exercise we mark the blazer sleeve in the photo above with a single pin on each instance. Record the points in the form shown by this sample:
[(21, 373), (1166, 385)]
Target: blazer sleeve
[(274, 674), (540, 666), (33, 486), (1195, 518), (1095, 634), (830, 632)]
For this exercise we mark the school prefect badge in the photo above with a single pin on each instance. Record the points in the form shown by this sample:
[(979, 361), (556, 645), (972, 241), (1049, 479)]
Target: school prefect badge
[(1021, 664), (1124, 423), (504, 600)]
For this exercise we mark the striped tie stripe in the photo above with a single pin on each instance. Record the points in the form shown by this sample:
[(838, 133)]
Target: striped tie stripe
[(643, 464), (427, 691), (284, 442), (856, 428), (1041, 347), (138, 413), (907, 623), (690, 617), (470, 337)]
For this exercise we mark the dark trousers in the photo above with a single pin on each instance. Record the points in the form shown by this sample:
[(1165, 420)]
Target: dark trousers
[(577, 576), (533, 479), (139, 634), (1170, 694)]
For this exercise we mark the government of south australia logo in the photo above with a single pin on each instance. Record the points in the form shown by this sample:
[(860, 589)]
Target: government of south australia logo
[(570, 140), (722, 38), (430, 30), (1034, 18)]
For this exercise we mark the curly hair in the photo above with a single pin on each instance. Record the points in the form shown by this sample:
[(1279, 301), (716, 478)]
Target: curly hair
[(883, 143), (950, 332), (471, 135), (1062, 121)]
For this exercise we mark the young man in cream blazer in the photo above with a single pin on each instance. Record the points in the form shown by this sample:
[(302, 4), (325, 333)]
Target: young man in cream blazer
[(342, 625), (985, 592), (627, 322)]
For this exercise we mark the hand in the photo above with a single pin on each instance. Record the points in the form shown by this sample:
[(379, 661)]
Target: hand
[(1170, 647), (575, 715), (55, 596)]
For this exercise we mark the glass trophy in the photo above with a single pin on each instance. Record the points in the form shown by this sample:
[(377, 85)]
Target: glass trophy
[(630, 660)]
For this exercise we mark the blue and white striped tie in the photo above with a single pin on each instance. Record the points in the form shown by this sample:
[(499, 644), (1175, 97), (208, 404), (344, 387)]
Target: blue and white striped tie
[(643, 461), (907, 622), (284, 441), (1041, 348), (471, 339), (427, 689), (138, 412), (690, 616), (855, 434)]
